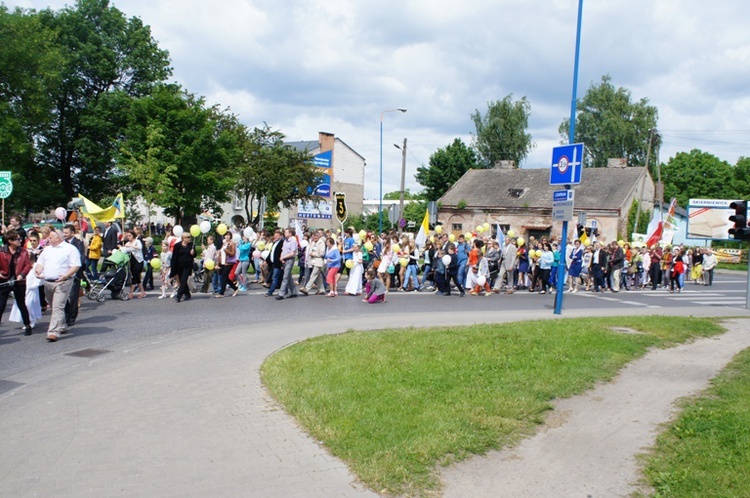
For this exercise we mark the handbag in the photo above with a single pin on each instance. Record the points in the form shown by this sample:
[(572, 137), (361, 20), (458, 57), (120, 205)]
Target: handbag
[(391, 269)]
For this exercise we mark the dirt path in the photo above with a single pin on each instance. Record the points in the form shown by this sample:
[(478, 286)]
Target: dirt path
[(589, 444)]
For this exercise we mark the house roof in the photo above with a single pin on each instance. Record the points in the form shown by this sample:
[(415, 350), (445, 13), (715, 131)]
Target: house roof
[(600, 188), (311, 145)]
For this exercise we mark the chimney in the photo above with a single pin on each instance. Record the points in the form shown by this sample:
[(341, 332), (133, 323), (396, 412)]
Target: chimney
[(618, 162), (326, 141), (504, 164)]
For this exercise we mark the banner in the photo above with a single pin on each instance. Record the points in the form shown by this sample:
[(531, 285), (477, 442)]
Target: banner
[(321, 209)]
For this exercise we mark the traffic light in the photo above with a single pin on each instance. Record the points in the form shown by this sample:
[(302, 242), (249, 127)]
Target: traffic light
[(740, 230)]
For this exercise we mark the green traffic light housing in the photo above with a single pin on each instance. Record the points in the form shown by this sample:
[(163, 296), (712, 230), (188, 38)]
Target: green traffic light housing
[(740, 231)]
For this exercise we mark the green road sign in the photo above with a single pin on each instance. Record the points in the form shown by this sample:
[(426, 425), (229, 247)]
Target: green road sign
[(6, 184)]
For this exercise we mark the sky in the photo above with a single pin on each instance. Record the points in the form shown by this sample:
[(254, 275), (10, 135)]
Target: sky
[(311, 65)]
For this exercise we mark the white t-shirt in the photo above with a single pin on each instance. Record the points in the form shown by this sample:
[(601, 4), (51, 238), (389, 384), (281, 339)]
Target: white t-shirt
[(58, 260)]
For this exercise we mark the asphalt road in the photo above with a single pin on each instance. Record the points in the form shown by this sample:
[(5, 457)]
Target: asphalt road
[(105, 325)]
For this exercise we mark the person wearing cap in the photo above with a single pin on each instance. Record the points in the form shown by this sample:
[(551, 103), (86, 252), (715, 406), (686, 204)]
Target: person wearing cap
[(57, 266)]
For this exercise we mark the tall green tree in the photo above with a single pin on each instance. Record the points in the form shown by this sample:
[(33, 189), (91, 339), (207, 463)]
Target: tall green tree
[(446, 166), (269, 168), (501, 132), (697, 175), (108, 61), (180, 154), (741, 179), (29, 63), (611, 125)]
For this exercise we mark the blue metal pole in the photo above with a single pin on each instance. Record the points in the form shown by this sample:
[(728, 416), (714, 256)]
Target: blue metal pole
[(571, 140)]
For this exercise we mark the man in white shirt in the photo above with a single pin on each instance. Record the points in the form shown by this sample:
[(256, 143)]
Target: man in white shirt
[(57, 266)]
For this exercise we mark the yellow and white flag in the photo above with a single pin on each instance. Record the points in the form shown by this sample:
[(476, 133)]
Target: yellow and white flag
[(421, 238)]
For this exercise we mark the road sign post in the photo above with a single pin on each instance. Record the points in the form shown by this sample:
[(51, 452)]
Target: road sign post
[(567, 163)]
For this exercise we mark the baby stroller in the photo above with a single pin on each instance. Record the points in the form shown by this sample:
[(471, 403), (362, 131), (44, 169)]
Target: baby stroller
[(115, 278)]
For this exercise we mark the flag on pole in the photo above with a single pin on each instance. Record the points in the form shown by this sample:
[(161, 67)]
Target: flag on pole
[(655, 237), (119, 205), (421, 238), (500, 236), (95, 213)]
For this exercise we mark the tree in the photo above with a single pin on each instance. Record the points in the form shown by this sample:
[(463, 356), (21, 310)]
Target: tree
[(612, 126), (269, 168), (396, 195), (178, 153), (501, 133), (699, 175), (447, 165), (742, 178), (108, 61), (28, 69)]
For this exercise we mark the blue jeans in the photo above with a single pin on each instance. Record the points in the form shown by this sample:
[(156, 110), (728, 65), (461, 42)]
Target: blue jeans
[(275, 280), (216, 281), (411, 273), (92, 266), (427, 269), (462, 272)]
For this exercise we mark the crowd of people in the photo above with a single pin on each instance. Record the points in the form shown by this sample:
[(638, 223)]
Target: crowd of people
[(46, 268)]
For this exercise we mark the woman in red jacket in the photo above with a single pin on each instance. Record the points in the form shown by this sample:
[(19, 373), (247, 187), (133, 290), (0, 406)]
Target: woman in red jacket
[(14, 266)]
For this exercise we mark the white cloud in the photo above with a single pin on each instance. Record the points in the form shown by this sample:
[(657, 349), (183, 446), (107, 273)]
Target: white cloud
[(335, 65)]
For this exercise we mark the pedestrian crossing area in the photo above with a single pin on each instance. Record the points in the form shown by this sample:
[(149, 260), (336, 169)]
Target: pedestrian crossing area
[(700, 295)]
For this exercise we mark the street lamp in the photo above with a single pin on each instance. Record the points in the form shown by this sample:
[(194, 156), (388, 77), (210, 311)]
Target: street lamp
[(380, 207)]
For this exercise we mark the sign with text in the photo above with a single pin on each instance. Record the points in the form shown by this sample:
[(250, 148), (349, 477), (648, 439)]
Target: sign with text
[(321, 209), (562, 205), (709, 219), (341, 206)]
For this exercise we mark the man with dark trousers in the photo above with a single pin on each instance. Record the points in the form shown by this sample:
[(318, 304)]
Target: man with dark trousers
[(598, 265), (71, 307), (274, 262)]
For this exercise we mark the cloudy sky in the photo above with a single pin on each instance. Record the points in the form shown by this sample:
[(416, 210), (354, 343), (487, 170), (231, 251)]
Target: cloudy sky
[(311, 65)]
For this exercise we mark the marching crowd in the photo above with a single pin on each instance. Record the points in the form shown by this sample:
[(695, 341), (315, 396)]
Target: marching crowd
[(45, 268)]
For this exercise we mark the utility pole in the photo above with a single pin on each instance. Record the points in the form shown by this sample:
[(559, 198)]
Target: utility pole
[(403, 181), (643, 182)]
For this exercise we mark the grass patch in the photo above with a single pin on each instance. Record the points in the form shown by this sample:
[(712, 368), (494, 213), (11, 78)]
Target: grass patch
[(394, 404), (706, 452)]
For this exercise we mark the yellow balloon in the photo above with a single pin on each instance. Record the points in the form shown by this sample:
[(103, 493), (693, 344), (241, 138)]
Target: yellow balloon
[(395, 248), (486, 226), (452, 238), (538, 253), (403, 261), (468, 236), (260, 245), (362, 234), (369, 246), (209, 264), (195, 230), (480, 228), (511, 233), (432, 239), (520, 241), (586, 243), (221, 229), (349, 263), (155, 263), (438, 228), (620, 243)]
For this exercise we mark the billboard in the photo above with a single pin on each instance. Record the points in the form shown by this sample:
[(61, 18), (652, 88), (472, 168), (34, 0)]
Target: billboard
[(322, 209), (709, 219)]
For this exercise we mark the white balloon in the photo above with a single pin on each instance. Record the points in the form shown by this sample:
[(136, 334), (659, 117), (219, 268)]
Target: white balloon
[(481, 280), (248, 232), (446, 260), (205, 226), (177, 231), (236, 238), (265, 254)]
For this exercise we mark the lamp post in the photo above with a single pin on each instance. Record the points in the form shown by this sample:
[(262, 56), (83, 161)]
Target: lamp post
[(380, 206)]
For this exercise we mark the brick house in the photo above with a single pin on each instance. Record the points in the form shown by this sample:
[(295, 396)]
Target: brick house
[(521, 200)]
